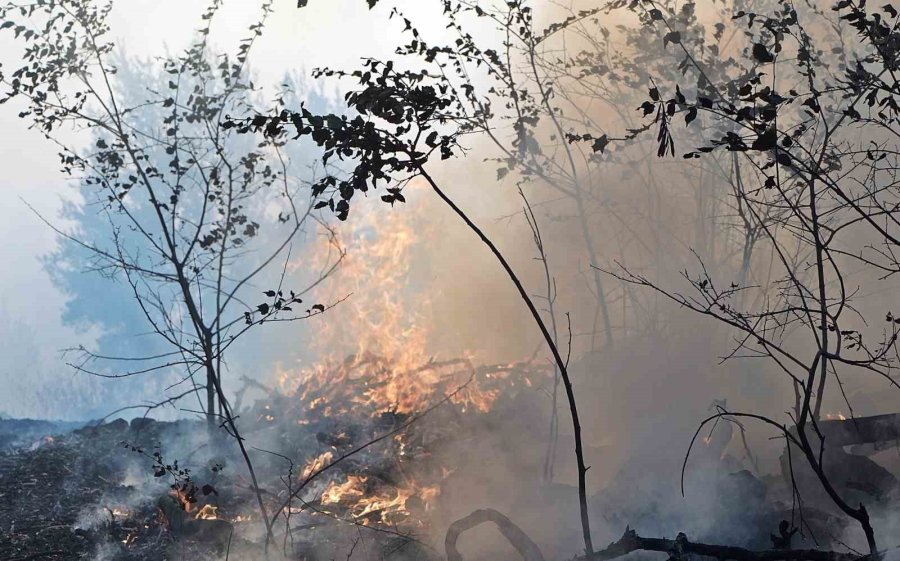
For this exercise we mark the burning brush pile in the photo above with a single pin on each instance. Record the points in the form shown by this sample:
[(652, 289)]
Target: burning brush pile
[(358, 454), (374, 439), (380, 443)]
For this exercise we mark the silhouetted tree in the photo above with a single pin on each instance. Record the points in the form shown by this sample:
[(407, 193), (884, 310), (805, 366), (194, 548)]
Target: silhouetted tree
[(813, 122), (184, 200)]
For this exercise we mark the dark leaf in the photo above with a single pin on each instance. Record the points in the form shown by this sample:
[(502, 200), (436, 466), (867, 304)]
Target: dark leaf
[(761, 53), (690, 116), (600, 144), (672, 37), (766, 141)]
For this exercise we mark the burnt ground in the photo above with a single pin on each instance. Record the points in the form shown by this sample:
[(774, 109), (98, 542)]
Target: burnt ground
[(59, 496), (95, 493)]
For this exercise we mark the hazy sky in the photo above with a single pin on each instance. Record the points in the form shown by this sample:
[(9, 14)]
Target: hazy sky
[(327, 32)]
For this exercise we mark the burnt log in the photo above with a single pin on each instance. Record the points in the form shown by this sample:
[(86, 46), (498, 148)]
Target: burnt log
[(680, 546), (630, 542), (861, 430)]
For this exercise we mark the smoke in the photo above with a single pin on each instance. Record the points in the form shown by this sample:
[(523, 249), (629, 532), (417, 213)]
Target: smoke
[(421, 286)]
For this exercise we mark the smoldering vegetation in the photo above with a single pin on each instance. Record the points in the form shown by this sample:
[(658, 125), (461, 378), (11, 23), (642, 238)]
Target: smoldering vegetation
[(391, 381)]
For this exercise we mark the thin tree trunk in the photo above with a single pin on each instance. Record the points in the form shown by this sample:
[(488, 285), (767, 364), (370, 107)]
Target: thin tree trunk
[(548, 337)]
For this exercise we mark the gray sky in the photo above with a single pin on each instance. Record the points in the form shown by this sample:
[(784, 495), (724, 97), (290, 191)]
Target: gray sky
[(325, 33)]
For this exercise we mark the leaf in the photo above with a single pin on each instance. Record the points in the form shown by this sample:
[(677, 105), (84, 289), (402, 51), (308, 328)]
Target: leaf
[(766, 141), (208, 490), (301, 3), (600, 144), (319, 308), (501, 173), (672, 37), (761, 53), (270, 293), (690, 116), (263, 308), (654, 94)]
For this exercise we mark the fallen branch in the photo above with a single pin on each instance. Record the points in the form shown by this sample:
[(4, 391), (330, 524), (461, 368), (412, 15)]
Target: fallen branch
[(680, 546), (631, 542), (518, 538)]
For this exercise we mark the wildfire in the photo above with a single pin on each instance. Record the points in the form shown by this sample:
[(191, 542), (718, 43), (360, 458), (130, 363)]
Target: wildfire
[(377, 370), (351, 490), (382, 328), (120, 512), (317, 464), (839, 416), (385, 507), (207, 512)]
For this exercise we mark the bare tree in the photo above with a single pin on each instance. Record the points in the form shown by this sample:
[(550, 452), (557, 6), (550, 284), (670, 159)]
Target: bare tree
[(186, 200), (822, 197)]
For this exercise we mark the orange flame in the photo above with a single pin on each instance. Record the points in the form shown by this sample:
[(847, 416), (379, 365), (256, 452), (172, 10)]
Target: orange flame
[(383, 327), (383, 330)]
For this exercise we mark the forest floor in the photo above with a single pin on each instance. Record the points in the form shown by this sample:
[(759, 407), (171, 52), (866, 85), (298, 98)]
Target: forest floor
[(59, 496)]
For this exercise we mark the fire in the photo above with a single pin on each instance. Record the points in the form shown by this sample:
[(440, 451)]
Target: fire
[(382, 327), (839, 416), (207, 512), (351, 490), (384, 506), (376, 370), (317, 464)]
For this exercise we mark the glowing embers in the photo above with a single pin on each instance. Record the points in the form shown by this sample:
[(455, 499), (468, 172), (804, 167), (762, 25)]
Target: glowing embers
[(207, 512)]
